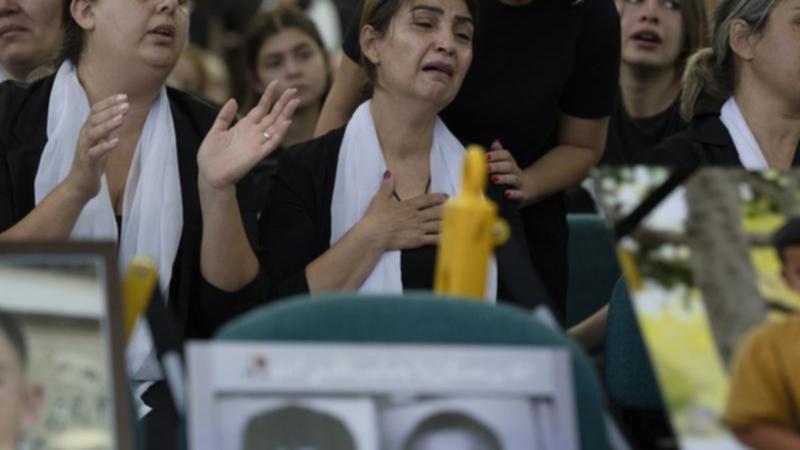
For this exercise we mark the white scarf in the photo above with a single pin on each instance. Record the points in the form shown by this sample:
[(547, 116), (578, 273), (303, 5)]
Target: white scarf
[(152, 217), (359, 174), (747, 147)]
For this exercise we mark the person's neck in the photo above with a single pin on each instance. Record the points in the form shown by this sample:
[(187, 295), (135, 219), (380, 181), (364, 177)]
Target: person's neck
[(22, 70), (404, 126), (17, 72), (774, 123), (100, 81), (647, 92), (303, 123)]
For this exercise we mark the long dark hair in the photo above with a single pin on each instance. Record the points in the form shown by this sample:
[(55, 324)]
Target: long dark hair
[(268, 24)]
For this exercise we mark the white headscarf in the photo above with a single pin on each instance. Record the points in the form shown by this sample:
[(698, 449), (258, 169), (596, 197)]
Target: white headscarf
[(152, 217), (359, 174)]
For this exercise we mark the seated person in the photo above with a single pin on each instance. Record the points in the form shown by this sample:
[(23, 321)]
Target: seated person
[(763, 407), (743, 94), (360, 207), (20, 401), (30, 36), (657, 38), (540, 89), (103, 151), (285, 45)]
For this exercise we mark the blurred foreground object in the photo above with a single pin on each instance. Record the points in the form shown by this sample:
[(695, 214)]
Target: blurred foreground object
[(137, 290), (470, 231)]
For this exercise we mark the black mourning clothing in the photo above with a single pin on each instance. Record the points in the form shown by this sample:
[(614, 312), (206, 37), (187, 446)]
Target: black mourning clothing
[(531, 63), (633, 141), (706, 142), (296, 224)]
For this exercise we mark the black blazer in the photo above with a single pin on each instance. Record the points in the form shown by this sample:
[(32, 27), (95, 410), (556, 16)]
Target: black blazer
[(706, 142), (296, 224), (199, 307)]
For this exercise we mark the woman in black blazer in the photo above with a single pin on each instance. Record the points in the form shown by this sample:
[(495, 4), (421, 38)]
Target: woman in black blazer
[(743, 94)]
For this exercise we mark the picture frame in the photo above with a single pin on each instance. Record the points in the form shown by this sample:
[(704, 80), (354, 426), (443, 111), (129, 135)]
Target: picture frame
[(381, 395), (704, 276), (66, 298)]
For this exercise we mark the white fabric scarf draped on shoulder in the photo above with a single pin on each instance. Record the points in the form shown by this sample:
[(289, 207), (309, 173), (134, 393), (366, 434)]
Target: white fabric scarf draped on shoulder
[(747, 147), (152, 211), (359, 174)]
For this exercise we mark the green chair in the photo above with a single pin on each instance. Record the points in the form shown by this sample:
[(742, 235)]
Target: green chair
[(137, 430), (629, 377), (422, 319), (593, 267)]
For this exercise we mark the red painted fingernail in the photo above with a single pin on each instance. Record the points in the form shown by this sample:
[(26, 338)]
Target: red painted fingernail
[(508, 194), (488, 157), (387, 175), (488, 167), (495, 178)]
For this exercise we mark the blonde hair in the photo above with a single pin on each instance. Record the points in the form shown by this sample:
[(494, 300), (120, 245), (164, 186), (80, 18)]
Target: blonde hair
[(695, 24), (710, 73)]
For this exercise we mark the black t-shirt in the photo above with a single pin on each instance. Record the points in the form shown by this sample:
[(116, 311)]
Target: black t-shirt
[(632, 141), (529, 64)]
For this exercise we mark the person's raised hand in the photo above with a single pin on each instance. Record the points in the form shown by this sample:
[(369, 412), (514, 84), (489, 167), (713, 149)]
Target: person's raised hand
[(503, 169), (229, 152), (405, 224), (95, 141)]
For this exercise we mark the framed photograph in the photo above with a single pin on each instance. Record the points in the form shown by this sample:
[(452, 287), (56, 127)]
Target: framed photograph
[(62, 349), (711, 261), (270, 395)]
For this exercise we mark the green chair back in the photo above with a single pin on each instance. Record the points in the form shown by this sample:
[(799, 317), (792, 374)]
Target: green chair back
[(593, 266), (630, 379), (422, 319)]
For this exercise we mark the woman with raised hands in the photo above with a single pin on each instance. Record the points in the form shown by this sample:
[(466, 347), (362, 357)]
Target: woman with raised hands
[(103, 151)]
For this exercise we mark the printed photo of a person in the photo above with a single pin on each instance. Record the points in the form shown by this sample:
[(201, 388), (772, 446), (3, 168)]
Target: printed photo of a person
[(763, 408), (20, 400), (451, 430), (297, 428)]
